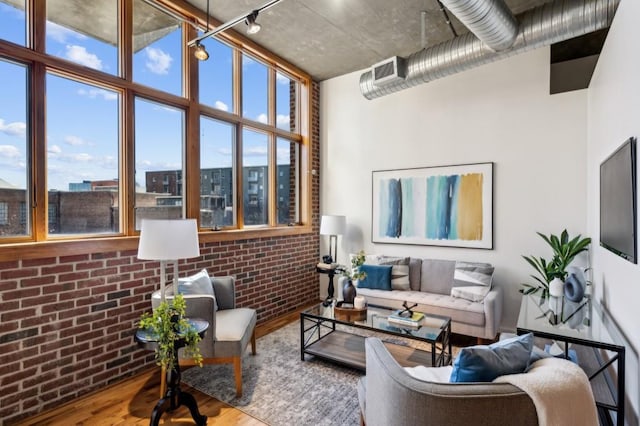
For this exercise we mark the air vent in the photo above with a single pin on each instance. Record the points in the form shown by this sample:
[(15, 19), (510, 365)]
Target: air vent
[(389, 71)]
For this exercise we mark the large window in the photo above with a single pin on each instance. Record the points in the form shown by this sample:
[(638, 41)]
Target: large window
[(82, 157), (101, 126), (159, 141), (14, 152)]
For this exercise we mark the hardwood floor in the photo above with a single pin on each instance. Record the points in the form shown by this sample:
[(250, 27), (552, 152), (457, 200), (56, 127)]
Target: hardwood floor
[(131, 401)]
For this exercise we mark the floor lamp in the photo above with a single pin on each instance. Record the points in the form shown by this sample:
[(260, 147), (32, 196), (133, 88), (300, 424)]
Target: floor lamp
[(168, 241)]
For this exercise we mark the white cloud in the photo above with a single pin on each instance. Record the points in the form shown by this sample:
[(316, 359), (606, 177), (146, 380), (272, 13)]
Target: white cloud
[(61, 34), (17, 128), (263, 118), (282, 79), (107, 95), (284, 156), (54, 149), (75, 140), (80, 55), (9, 151), (222, 106), (255, 151), (283, 121), (82, 157), (158, 61)]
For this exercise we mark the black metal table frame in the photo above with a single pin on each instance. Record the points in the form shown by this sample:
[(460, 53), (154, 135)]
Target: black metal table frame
[(619, 358), (318, 323)]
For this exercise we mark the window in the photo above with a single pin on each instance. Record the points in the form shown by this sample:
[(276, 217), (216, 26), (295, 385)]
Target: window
[(4, 213), (157, 43), (81, 155), (14, 154), (254, 90), (85, 33), (287, 182), (92, 140), (13, 26), (217, 89), (254, 163), (217, 141), (159, 143)]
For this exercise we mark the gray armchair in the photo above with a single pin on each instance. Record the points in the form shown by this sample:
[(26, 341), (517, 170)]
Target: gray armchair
[(388, 395), (230, 328)]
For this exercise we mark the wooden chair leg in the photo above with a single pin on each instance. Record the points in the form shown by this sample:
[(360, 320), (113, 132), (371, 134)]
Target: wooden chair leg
[(163, 382), (253, 342), (237, 366)]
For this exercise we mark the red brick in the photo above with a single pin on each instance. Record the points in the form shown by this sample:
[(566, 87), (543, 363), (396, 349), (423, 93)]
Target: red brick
[(70, 313), (8, 285), (38, 281), (89, 265), (21, 294), (74, 258), (73, 276), (59, 325), (17, 376), (57, 269), (55, 345), (104, 272), (58, 307), (38, 320), (18, 273), (40, 300), (16, 315)]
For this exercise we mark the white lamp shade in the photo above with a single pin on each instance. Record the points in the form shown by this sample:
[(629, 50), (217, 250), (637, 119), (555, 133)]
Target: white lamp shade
[(168, 239), (333, 225)]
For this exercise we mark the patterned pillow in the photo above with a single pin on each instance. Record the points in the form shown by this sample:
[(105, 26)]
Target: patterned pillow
[(399, 271), (199, 283), (472, 281)]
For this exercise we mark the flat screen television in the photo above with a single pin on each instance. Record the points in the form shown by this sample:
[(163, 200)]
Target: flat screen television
[(618, 202)]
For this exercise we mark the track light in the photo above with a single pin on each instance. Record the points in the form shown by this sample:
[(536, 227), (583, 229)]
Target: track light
[(252, 26), (200, 52)]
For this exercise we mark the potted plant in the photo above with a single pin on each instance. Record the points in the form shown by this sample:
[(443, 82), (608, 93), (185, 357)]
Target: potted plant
[(565, 249), (353, 273), (168, 324)]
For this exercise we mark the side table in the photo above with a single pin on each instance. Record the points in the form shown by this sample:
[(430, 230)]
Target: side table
[(174, 396), (331, 272)]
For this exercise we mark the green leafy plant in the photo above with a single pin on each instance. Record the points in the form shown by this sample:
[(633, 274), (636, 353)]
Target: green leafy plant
[(169, 324), (354, 273), (565, 249)]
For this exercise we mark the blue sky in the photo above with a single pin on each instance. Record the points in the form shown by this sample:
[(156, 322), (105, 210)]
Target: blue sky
[(82, 120)]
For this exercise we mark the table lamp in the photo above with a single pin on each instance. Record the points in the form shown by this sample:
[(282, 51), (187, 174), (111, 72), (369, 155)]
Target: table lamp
[(168, 240), (333, 226)]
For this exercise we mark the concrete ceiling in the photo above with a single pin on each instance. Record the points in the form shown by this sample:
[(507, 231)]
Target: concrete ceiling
[(327, 38)]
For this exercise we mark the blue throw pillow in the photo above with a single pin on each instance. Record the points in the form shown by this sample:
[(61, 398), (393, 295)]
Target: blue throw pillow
[(378, 277), (485, 363)]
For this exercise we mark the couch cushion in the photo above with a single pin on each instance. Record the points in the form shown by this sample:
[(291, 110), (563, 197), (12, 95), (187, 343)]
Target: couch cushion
[(399, 271), (234, 328), (459, 310), (377, 277), (199, 283), (437, 276), (415, 273), (484, 363)]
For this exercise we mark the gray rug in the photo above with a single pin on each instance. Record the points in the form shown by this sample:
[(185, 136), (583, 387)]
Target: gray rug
[(279, 388)]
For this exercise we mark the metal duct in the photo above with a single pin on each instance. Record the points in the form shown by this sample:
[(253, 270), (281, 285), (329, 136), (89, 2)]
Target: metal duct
[(490, 20), (541, 26)]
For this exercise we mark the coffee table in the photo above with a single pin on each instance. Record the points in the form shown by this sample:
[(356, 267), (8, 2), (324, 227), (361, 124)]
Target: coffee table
[(319, 337)]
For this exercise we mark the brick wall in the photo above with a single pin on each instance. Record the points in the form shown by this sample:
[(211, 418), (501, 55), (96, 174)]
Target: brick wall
[(67, 322)]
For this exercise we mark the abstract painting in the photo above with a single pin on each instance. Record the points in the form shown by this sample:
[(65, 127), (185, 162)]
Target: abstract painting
[(443, 206)]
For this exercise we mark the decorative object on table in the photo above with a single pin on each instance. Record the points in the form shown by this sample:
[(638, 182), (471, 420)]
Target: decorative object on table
[(348, 312), (168, 240), (332, 226), (556, 287), (406, 316), (359, 302), (353, 273), (565, 249), (442, 206), (575, 285)]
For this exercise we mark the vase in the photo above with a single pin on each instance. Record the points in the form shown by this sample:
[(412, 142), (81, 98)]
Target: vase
[(556, 287), (348, 292), (574, 288), (359, 302)]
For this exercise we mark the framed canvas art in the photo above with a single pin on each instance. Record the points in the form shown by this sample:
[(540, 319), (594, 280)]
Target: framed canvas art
[(441, 206)]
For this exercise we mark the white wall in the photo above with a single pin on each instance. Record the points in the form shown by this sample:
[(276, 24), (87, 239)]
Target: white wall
[(501, 112), (614, 116)]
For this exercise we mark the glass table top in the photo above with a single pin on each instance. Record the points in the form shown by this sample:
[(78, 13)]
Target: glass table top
[(429, 328), (557, 316)]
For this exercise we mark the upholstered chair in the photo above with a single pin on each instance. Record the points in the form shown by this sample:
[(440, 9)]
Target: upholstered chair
[(230, 328)]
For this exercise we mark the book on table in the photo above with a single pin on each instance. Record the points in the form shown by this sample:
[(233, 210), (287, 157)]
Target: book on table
[(411, 321)]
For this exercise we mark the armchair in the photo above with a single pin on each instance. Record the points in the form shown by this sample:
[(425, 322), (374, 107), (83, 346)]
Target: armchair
[(230, 328)]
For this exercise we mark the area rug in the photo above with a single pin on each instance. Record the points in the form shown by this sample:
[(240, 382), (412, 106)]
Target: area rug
[(279, 388)]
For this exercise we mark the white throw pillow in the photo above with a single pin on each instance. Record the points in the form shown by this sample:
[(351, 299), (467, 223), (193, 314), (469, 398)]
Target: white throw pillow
[(474, 294), (430, 374), (199, 283)]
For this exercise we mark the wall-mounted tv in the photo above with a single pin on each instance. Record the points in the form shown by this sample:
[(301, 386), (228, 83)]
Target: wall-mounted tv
[(618, 202)]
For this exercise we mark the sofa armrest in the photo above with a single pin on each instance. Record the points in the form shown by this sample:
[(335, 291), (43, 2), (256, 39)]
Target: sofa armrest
[(492, 312), (225, 290)]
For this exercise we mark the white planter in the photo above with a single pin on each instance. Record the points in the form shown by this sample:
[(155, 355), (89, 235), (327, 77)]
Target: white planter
[(556, 287)]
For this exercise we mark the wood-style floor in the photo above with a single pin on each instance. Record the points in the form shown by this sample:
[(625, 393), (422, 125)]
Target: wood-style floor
[(130, 402)]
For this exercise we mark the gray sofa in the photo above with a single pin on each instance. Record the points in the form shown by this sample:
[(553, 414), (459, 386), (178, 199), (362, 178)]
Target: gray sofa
[(388, 395), (431, 281)]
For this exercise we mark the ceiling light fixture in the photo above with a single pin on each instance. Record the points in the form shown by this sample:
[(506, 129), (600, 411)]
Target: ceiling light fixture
[(201, 52), (252, 26), (249, 18)]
